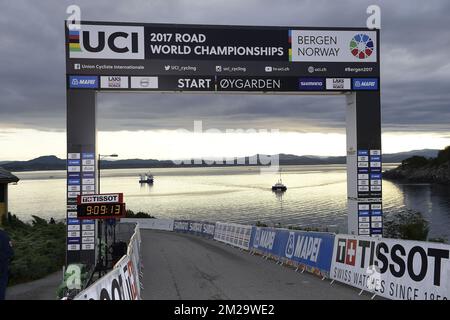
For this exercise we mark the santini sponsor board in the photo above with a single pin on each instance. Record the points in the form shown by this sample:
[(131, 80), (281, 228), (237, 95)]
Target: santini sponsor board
[(395, 269), (205, 229), (310, 249)]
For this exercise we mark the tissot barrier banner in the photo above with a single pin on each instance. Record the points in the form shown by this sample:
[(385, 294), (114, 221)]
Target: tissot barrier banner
[(393, 268)]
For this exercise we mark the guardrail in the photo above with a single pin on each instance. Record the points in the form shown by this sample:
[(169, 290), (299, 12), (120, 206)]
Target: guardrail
[(391, 268), (123, 282)]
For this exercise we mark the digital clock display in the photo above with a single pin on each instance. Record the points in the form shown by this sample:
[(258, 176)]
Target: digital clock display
[(100, 210)]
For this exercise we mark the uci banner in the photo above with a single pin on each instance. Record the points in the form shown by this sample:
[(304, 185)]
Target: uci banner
[(393, 268), (312, 250)]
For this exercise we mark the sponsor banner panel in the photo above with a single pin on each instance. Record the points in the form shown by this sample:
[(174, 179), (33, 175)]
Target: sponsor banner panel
[(237, 235), (114, 82), (122, 282), (200, 228), (154, 224), (181, 226), (333, 45), (393, 268), (313, 250)]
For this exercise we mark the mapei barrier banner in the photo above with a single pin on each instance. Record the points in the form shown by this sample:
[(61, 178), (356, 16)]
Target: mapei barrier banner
[(393, 268), (237, 235), (313, 250), (200, 228)]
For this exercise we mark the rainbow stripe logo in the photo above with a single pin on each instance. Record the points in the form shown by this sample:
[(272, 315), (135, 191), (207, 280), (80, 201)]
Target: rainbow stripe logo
[(290, 42), (74, 41)]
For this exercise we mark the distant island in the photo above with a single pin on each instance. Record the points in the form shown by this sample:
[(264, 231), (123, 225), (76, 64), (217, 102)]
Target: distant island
[(423, 169), (55, 163)]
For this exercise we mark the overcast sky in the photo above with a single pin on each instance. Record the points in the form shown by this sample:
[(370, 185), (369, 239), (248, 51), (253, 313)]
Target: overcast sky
[(415, 75)]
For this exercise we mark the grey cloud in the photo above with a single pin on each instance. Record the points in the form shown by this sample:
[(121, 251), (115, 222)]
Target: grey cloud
[(415, 66)]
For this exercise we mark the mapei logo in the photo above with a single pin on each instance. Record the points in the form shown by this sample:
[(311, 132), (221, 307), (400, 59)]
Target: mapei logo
[(305, 248), (89, 82), (107, 42), (361, 46), (257, 237), (290, 247), (264, 239)]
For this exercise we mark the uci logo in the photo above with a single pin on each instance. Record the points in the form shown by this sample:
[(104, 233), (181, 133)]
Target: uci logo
[(107, 42), (290, 247)]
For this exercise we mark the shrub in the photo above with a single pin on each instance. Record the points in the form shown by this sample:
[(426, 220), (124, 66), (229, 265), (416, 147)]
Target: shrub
[(407, 225), (39, 248), (139, 214), (415, 162)]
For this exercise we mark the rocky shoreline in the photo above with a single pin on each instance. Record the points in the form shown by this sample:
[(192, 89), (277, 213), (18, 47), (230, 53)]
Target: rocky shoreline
[(428, 173)]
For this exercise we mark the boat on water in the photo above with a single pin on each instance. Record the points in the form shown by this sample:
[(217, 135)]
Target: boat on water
[(146, 178), (279, 186)]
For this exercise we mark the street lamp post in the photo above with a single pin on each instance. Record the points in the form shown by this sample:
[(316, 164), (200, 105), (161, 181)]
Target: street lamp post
[(100, 156)]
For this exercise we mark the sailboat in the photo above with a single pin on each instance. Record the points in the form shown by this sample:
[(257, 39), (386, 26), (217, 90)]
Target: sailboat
[(146, 178), (279, 186)]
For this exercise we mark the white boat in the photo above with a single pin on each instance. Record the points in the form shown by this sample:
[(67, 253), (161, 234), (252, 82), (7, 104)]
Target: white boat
[(146, 178), (279, 186)]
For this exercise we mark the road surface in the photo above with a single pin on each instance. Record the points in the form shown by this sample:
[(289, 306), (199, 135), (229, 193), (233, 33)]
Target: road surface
[(42, 289), (184, 267)]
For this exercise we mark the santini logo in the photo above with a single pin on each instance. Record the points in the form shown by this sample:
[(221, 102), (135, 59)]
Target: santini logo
[(107, 42)]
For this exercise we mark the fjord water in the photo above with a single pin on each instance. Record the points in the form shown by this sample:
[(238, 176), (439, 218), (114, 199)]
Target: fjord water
[(316, 196)]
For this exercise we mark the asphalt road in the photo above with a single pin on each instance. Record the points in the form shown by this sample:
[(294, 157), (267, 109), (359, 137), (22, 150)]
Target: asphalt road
[(181, 266), (42, 289)]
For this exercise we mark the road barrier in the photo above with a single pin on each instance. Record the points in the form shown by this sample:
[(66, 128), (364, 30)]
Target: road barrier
[(311, 251), (153, 224), (391, 268), (199, 228), (238, 235), (123, 281)]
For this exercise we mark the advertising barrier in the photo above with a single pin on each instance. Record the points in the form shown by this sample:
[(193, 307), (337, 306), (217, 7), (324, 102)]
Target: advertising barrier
[(122, 282), (199, 228), (181, 226), (309, 250), (153, 224), (237, 235), (393, 268)]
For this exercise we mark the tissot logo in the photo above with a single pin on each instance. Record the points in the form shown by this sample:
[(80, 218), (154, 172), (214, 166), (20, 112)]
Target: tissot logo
[(107, 42)]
